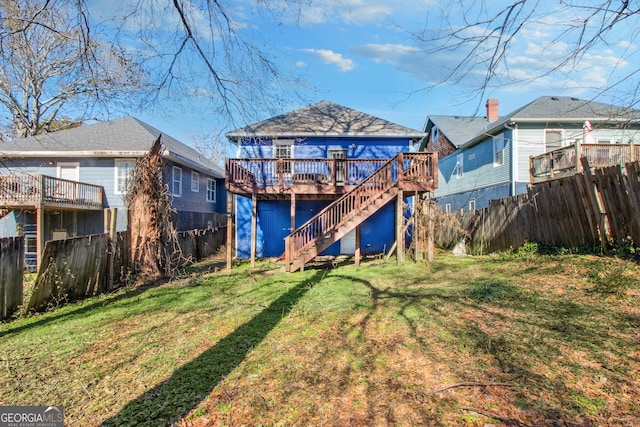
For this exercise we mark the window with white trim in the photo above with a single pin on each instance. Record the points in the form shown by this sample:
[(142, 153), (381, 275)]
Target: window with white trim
[(459, 165), (123, 170), (447, 208), (552, 139), (472, 205), (176, 181), (195, 181), (499, 144), (283, 149), (211, 190)]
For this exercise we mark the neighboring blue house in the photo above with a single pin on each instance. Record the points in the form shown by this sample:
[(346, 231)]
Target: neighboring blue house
[(482, 159), (291, 167), (78, 172)]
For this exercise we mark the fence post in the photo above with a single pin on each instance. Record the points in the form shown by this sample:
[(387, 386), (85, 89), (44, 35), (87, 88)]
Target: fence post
[(578, 156)]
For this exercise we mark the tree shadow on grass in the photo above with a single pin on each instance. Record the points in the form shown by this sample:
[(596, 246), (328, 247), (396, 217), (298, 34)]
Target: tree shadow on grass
[(190, 384)]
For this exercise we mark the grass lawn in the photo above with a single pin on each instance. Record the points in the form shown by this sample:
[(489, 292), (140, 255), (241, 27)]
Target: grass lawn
[(504, 340)]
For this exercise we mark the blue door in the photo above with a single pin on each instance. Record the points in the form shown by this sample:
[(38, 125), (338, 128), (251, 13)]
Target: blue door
[(274, 224)]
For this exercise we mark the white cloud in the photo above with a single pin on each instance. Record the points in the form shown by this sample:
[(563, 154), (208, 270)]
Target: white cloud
[(301, 64), (331, 57)]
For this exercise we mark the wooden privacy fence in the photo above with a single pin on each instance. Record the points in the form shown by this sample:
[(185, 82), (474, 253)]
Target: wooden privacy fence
[(11, 275), (199, 244), (80, 267), (71, 269), (575, 211)]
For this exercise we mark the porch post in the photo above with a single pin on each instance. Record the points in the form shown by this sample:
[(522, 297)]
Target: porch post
[(357, 251), (578, 156), (229, 229), (399, 233), (430, 228), (39, 233), (293, 213), (254, 228)]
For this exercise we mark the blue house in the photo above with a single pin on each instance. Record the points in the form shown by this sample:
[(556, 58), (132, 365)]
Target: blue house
[(319, 180), (487, 158), (57, 185)]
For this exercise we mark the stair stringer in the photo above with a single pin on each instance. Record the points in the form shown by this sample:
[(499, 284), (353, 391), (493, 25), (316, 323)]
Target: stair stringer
[(381, 200)]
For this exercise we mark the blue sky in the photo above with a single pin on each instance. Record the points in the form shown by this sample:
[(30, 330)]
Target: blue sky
[(361, 54)]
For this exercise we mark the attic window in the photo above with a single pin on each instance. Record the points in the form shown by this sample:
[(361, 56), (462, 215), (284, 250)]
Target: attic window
[(434, 134)]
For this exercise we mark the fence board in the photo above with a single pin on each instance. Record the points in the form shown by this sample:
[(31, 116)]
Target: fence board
[(11, 275)]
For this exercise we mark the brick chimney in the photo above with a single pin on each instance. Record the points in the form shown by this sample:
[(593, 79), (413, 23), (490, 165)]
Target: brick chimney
[(492, 109)]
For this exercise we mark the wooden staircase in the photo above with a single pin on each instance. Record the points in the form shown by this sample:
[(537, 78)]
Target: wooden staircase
[(406, 171)]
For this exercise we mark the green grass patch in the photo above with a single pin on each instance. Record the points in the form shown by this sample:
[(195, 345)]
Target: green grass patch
[(379, 344)]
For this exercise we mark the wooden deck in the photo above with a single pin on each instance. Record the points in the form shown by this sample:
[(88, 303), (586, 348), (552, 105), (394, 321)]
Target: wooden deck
[(565, 161), (323, 178), (41, 191)]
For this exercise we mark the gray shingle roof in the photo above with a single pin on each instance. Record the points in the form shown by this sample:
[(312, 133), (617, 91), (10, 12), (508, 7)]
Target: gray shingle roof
[(469, 130), (570, 108), (324, 119), (123, 137), (457, 129)]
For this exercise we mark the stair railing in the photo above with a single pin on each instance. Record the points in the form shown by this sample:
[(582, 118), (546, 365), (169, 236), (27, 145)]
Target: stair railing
[(343, 209)]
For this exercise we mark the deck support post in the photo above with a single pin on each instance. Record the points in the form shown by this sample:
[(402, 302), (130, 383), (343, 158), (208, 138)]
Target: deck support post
[(229, 229), (419, 233), (400, 244), (356, 254), (254, 228), (431, 209), (293, 213), (39, 233)]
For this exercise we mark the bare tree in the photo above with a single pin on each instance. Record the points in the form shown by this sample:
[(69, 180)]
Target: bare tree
[(481, 36), (206, 49), (50, 62), (72, 57)]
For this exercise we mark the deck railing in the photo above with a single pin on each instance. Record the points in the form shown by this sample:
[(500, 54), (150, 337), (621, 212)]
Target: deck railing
[(405, 167), (289, 172), (33, 190), (565, 161)]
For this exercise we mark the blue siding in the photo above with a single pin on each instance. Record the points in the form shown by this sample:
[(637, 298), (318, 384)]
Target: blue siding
[(479, 170), (274, 217), (193, 209), (318, 148), (377, 234), (482, 196)]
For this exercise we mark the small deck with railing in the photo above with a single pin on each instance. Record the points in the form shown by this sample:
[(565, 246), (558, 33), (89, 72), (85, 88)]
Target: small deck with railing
[(276, 178), (565, 161), (29, 191)]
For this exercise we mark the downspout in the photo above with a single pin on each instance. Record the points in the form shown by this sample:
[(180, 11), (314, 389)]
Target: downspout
[(513, 168)]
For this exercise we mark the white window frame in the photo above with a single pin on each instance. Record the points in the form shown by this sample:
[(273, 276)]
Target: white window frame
[(117, 177), (447, 208), (195, 182), (562, 141), (472, 205), (498, 155), (280, 144), (176, 178), (72, 165), (211, 190), (460, 165)]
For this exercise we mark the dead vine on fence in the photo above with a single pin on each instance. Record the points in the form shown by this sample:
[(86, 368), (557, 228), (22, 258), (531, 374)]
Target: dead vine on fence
[(155, 251)]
